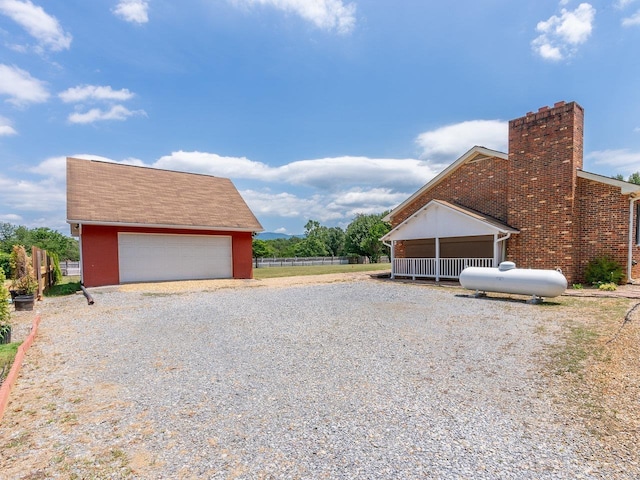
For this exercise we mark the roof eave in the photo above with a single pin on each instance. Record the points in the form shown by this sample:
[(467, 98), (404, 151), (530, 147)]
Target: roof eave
[(626, 188), (173, 227)]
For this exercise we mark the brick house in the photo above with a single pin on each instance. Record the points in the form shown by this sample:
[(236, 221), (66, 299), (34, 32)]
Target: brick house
[(534, 206), (138, 224)]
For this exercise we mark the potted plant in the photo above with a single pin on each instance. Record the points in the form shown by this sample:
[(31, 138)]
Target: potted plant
[(23, 283), (5, 312)]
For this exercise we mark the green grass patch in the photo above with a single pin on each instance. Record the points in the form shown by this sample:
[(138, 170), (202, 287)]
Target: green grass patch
[(67, 286), (7, 354), (277, 272)]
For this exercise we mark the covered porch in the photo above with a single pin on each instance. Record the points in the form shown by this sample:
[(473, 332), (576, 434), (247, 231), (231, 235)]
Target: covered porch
[(442, 239)]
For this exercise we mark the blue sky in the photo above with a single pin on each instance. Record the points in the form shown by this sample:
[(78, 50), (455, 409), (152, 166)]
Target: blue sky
[(316, 109)]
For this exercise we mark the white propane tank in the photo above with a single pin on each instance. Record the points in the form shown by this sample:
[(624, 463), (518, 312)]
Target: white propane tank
[(509, 279)]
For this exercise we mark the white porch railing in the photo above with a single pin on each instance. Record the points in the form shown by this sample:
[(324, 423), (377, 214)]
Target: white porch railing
[(426, 267)]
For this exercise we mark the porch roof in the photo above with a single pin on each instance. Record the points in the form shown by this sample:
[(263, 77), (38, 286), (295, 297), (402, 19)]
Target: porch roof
[(440, 219)]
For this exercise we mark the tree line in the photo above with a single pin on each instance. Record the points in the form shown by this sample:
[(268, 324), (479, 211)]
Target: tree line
[(361, 238), (66, 248)]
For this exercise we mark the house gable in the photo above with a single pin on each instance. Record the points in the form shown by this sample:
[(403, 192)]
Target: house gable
[(440, 219), (477, 180)]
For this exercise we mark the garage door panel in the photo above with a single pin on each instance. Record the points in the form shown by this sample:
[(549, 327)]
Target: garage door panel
[(153, 257)]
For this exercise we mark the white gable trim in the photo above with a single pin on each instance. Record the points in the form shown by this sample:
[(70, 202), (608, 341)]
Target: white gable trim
[(440, 220), (626, 188)]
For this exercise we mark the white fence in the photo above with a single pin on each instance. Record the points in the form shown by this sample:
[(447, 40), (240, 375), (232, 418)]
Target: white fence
[(309, 261), (70, 268), (428, 267)]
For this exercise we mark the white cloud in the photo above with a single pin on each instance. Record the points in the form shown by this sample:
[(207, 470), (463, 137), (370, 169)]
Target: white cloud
[(10, 218), (43, 27), (560, 35), (622, 161), (632, 21), (214, 164), (117, 112), (6, 129), (325, 207), (134, 11), (94, 92), (24, 195), (20, 87), (324, 173), (623, 3), (331, 15), (446, 144)]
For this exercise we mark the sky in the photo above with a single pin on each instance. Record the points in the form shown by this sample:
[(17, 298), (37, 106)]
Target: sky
[(315, 109)]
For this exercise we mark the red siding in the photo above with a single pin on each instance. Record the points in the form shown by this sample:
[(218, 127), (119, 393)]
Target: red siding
[(100, 251)]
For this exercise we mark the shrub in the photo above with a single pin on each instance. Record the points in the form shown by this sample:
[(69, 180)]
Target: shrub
[(608, 287), (23, 278), (5, 262), (604, 270), (19, 262), (57, 273), (5, 312)]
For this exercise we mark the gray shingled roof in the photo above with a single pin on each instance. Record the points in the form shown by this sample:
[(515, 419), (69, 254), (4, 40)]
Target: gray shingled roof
[(111, 193)]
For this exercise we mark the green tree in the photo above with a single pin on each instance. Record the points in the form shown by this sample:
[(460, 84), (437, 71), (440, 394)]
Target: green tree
[(335, 239), (633, 178), (66, 248), (363, 236), (262, 249)]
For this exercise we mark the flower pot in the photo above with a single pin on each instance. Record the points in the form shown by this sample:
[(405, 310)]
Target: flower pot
[(23, 303)]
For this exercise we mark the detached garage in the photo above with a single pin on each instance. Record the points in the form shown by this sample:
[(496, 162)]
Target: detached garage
[(138, 224)]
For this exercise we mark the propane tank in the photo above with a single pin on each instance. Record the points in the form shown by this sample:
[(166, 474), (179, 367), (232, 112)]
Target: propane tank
[(509, 279)]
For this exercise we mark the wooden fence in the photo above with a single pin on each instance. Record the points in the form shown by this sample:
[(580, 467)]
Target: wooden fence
[(43, 269)]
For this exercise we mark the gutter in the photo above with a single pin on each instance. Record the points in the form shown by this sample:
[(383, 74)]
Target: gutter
[(630, 279)]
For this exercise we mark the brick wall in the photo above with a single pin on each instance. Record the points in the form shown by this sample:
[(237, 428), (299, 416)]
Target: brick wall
[(480, 185), (545, 149), (603, 215)]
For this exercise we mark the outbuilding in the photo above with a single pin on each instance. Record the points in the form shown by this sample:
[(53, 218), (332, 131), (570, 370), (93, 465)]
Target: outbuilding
[(140, 224)]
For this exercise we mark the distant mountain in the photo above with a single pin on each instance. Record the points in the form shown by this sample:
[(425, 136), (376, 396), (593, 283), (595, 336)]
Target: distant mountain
[(273, 235)]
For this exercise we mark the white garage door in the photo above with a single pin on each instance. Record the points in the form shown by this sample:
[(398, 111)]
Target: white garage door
[(150, 257)]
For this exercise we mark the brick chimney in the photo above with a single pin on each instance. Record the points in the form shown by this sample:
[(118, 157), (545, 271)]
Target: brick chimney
[(545, 151)]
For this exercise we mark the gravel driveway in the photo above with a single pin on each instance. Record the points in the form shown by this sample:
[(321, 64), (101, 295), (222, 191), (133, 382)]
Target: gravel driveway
[(359, 379)]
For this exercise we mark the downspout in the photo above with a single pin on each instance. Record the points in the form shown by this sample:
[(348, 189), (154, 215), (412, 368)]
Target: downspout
[(632, 200), (80, 248)]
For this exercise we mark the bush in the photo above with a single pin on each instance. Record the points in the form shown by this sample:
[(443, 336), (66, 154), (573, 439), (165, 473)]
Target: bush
[(5, 262), (604, 270), (607, 287), (57, 273), (5, 312)]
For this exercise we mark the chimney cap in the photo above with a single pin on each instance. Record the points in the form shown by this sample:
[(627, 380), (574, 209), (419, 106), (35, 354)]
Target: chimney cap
[(559, 104)]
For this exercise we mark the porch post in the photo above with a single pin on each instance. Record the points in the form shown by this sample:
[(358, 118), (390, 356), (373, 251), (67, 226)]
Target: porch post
[(496, 251), (437, 259), (393, 257)]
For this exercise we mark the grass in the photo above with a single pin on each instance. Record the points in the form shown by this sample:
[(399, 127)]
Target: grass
[(277, 272), (7, 354), (67, 286)]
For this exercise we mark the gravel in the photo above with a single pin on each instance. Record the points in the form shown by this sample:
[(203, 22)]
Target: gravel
[(366, 379)]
